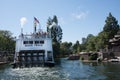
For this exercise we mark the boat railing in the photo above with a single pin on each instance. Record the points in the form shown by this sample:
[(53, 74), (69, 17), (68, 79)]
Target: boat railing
[(37, 36)]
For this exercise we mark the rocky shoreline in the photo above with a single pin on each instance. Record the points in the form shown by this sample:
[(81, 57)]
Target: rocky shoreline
[(74, 57), (85, 58)]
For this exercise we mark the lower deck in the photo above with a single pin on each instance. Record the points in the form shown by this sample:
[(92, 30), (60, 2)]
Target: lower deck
[(33, 58)]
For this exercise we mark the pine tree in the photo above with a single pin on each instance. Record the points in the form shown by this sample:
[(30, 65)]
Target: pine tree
[(56, 34), (111, 26), (110, 29), (56, 31), (55, 19)]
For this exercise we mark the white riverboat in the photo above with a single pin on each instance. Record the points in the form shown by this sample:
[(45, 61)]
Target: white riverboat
[(34, 49)]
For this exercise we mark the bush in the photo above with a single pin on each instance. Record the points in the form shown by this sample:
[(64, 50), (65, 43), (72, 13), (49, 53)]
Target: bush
[(81, 58), (93, 56)]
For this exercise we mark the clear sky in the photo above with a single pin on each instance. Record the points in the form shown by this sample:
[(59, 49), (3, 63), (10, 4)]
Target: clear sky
[(77, 18)]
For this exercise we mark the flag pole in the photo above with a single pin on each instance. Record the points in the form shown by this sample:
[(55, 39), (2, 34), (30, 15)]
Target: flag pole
[(35, 26), (36, 21)]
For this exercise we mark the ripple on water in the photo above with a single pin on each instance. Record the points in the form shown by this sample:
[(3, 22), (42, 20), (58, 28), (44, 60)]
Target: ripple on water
[(67, 70), (35, 73)]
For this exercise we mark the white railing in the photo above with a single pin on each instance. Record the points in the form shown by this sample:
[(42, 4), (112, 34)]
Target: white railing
[(32, 36)]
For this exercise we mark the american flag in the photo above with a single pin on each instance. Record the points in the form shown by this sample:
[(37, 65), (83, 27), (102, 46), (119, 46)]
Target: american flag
[(36, 20)]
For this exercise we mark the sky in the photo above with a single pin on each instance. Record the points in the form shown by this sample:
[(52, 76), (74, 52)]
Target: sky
[(77, 18)]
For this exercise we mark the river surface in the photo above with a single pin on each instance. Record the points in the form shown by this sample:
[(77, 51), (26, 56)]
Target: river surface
[(66, 70)]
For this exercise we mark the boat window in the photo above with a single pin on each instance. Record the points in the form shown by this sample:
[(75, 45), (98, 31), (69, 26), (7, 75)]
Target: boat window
[(42, 42), (36, 42), (35, 58), (40, 54), (29, 54), (40, 58), (28, 58), (31, 42), (25, 42), (35, 54), (23, 54), (23, 59)]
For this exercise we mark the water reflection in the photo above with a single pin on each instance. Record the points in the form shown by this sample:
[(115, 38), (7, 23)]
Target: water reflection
[(67, 70)]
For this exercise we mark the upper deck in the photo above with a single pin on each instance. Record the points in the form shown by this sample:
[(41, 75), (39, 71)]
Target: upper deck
[(34, 41), (38, 35)]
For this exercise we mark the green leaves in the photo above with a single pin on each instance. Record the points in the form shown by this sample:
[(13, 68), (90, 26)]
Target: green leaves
[(6, 41), (56, 34), (90, 43), (94, 43), (76, 47), (55, 19), (66, 48), (54, 29), (111, 26)]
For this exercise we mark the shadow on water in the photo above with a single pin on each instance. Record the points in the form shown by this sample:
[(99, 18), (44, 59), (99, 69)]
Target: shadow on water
[(57, 61), (3, 67), (104, 71), (94, 63)]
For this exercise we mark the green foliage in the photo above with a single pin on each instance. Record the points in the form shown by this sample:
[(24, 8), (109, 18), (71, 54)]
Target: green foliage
[(6, 41), (66, 48), (94, 43), (90, 43), (56, 34), (101, 40), (112, 55), (84, 40), (56, 50), (93, 56), (55, 19), (81, 58), (54, 29), (111, 26), (76, 47)]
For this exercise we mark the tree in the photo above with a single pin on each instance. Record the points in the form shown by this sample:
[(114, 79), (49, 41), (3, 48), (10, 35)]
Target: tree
[(84, 40), (88, 44), (55, 19), (76, 47), (56, 34), (6, 41), (66, 48), (7, 44), (83, 44), (55, 29), (101, 40), (110, 29), (111, 26), (91, 42)]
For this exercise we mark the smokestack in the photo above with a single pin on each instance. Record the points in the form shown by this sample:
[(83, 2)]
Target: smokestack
[(23, 21)]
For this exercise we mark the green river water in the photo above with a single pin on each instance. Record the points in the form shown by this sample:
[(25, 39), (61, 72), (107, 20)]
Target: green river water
[(66, 70)]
